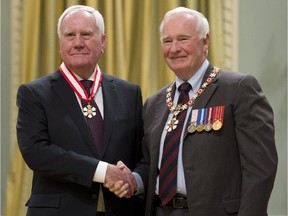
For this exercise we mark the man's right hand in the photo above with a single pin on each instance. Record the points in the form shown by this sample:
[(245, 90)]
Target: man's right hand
[(120, 180)]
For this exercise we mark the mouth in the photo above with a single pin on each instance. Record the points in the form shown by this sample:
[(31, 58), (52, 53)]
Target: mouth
[(78, 54), (177, 57)]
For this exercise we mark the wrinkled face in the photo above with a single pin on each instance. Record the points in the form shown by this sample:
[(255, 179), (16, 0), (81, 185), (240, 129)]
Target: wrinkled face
[(184, 51), (81, 45)]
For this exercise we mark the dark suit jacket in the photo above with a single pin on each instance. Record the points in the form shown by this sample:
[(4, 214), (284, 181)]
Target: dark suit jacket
[(56, 144), (227, 172)]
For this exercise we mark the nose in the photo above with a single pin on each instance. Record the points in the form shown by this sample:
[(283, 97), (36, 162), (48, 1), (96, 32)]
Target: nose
[(78, 41), (175, 47)]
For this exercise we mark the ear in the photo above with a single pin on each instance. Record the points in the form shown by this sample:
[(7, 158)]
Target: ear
[(206, 41), (103, 43)]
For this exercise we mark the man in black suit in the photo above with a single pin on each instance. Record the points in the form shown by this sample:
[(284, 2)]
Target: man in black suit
[(70, 160), (225, 159)]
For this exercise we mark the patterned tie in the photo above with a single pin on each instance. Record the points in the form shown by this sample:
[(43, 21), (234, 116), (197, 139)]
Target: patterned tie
[(168, 170), (96, 122)]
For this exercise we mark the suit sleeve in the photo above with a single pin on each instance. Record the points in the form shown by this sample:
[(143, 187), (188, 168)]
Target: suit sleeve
[(42, 156), (255, 135), (143, 166)]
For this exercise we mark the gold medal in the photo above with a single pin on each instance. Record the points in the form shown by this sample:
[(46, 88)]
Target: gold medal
[(217, 125), (218, 117), (192, 127), (200, 127), (89, 111), (202, 116)]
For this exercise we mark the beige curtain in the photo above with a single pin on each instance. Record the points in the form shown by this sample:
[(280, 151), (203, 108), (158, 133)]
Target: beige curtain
[(133, 53)]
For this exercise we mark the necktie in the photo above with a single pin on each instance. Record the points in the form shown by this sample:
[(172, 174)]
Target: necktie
[(96, 122), (168, 169)]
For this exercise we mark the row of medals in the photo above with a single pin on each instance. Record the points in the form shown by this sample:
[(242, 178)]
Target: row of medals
[(216, 125), (205, 124)]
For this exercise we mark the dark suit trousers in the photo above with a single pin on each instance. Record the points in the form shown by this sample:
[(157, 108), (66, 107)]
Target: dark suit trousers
[(169, 211)]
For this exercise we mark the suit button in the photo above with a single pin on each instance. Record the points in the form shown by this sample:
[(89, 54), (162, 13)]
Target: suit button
[(94, 196)]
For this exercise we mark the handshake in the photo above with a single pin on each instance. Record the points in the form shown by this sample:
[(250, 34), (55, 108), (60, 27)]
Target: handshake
[(120, 180)]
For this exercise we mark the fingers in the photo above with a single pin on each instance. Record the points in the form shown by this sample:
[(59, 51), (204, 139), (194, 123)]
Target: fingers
[(122, 191), (121, 165), (129, 177), (119, 189), (108, 184), (120, 180), (116, 186)]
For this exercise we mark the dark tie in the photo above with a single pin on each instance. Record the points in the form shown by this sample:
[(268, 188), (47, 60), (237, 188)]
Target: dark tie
[(96, 122), (168, 169)]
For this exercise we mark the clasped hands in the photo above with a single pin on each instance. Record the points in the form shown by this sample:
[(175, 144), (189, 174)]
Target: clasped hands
[(120, 180)]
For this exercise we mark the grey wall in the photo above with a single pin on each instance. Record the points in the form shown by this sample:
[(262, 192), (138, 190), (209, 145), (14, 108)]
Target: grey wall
[(263, 53), (5, 96)]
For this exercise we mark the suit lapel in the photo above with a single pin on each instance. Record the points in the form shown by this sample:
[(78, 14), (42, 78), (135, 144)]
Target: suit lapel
[(162, 111), (161, 115), (109, 92), (203, 99), (72, 106)]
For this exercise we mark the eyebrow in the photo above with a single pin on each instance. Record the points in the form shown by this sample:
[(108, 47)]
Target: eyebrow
[(73, 31)]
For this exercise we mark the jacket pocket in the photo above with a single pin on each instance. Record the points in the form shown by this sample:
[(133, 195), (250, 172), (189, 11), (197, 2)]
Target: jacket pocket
[(44, 200), (232, 206)]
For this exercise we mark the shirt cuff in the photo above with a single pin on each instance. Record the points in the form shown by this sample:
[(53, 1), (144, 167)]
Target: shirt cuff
[(100, 173), (140, 185)]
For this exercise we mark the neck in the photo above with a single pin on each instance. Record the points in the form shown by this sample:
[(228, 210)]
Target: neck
[(188, 73), (83, 75), (83, 72)]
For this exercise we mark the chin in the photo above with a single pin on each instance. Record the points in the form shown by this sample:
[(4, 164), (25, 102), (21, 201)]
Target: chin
[(177, 67), (79, 63)]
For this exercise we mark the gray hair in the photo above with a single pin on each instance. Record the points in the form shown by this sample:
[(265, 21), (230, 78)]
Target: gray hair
[(202, 22), (98, 17)]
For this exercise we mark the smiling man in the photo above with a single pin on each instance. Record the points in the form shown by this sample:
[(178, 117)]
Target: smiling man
[(208, 145)]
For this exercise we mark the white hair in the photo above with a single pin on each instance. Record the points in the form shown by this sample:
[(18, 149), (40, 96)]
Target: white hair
[(98, 17), (202, 22)]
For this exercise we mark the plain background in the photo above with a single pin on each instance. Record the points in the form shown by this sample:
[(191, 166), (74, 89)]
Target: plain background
[(263, 53)]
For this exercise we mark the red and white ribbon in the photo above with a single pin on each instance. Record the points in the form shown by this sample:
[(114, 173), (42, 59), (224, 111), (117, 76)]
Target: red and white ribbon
[(77, 86)]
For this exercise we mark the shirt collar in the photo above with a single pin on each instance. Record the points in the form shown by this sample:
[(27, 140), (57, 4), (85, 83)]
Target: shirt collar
[(91, 78), (196, 79)]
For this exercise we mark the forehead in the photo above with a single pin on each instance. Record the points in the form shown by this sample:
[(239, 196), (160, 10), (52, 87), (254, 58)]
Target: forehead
[(79, 19), (179, 23), (180, 19)]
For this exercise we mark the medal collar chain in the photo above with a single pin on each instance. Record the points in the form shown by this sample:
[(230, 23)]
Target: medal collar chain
[(176, 109)]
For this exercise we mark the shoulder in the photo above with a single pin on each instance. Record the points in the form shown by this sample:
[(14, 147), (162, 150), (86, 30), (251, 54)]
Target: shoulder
[(159, 95), (115, 81), (235, 78), (38, 90), (119, 87), (43, 82), (231, 75), (161, 91)]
